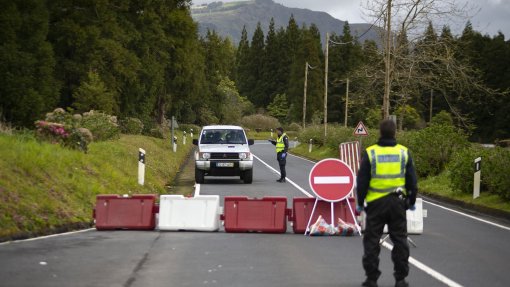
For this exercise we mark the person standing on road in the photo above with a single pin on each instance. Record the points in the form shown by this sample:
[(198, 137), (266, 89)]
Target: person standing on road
[(387, 183), (282, 146)]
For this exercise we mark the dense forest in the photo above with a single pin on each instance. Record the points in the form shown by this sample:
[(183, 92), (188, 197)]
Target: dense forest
[(145, 59)]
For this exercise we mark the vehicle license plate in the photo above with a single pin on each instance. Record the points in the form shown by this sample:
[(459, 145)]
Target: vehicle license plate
[(225, 164)]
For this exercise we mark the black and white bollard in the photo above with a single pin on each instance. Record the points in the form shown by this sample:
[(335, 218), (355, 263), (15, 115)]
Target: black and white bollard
[(476, 184), (175, 144), (191, 133), (271, 133), (141, 166), (310, 146)]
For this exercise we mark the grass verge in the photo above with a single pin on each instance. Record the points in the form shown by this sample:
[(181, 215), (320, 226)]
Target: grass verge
[(44, 187)]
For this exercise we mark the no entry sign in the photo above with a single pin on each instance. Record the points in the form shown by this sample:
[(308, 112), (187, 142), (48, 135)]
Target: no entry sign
[(331, 180)]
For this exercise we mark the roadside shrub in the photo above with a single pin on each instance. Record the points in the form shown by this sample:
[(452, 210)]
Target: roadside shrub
[(157, 132), (295, 127), (259, 121), (56, 133), (442, 118), (494, 175), (131, 126), (433, 147), (187, 128), (336, 135), (103, 126)]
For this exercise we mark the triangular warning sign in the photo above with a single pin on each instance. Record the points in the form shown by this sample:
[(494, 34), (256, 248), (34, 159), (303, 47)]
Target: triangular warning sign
[(360, 130)]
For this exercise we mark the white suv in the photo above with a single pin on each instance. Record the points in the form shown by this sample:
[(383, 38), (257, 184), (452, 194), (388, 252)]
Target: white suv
[(223, 151)]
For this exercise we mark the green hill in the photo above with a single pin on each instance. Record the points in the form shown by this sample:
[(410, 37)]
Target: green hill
[(46, 188), (229, 18)]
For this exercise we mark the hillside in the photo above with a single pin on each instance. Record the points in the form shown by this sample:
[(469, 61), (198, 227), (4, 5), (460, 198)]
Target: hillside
[(228, 19), (46, 188)]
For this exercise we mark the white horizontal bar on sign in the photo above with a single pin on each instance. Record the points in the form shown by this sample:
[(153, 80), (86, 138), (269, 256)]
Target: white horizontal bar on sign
[(332, 180)]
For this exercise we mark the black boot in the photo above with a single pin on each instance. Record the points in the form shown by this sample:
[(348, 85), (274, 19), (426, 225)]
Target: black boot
[(281, 180), (401, 283), (369, 283)]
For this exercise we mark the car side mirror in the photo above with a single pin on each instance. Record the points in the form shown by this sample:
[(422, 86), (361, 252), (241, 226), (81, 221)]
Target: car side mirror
[(195, 141), (251, 142)]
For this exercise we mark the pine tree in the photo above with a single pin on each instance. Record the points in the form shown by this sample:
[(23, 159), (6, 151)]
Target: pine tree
[(28, 87), (256, 67), (92, 94)]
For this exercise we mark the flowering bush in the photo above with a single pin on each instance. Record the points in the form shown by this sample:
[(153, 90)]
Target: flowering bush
[(103, 126), (52, 132), (76, 138)]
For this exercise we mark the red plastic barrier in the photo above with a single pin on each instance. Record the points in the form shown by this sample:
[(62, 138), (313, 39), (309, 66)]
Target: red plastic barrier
[(268, 214), (117, 212), (302, 208)]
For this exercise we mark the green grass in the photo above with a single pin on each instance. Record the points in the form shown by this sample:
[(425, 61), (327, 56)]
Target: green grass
[(440, 185), (44, 186), (318, 153)]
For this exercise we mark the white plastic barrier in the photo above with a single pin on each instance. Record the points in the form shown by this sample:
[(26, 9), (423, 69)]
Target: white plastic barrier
[(414, 219), (200, 213)]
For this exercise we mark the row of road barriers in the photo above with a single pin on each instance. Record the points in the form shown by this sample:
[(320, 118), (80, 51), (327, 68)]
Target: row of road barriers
[(204, 213)]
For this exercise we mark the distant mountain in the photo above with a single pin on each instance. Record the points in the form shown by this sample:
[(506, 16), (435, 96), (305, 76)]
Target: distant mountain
[(228, 19)]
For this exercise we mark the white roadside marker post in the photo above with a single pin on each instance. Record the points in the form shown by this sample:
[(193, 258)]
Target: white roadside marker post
[(141, 166), (476, 184), (184, 138), (310, 146)]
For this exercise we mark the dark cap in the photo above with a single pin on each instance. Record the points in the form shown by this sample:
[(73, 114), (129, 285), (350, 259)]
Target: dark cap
[(388, 128), (280, 129)]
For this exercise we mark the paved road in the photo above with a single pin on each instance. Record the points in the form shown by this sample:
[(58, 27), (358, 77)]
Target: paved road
[(456, 247)]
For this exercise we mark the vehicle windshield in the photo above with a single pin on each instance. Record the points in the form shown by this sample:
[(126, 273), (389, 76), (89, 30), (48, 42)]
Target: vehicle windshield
[(223, 137)]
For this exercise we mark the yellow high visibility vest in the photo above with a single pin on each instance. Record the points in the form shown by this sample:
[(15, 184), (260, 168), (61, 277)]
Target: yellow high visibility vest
[(280, 145), (388, 170)]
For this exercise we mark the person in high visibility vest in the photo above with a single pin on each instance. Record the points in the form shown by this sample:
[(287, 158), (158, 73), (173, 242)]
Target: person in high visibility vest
[(282, 146), (386, 188)]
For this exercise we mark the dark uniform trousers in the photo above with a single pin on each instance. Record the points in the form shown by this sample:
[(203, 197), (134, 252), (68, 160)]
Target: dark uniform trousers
[(282, 162), (388, 210)]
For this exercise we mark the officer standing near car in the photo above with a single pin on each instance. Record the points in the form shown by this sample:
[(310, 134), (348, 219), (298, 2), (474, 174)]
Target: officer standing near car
[(387, 183), (282, 146)]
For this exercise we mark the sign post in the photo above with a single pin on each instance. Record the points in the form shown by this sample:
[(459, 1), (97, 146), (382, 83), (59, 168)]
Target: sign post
[(141, 166), (476, 184), (331, 180)]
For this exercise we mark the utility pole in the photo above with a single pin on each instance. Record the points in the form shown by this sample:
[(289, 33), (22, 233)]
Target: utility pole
[(304, 95), (346, 102), (387, 88), (431, 104), (326, 88)]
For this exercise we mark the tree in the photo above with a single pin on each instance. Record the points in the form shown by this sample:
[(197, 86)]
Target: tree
[(92, 94), (405, 19), (28, 86), (256, 65), (279, 107)]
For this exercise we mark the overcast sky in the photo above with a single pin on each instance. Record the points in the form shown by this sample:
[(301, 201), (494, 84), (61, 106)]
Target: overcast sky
[(488, 17)]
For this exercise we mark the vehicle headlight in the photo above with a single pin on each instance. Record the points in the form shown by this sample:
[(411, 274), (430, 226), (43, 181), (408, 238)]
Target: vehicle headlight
[(244, 155), (205, 155)]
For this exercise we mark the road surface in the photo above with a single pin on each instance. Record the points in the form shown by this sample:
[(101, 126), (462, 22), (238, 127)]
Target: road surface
[(456, 249)]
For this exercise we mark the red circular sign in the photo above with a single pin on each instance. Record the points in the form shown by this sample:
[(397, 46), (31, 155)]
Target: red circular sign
[(331, 180)]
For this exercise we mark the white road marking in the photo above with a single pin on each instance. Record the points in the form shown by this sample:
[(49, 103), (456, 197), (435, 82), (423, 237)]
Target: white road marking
[(438, 276), (197, 189), (435, 274), (331, 180), (288, 179), (48, 236), (469, 216)]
